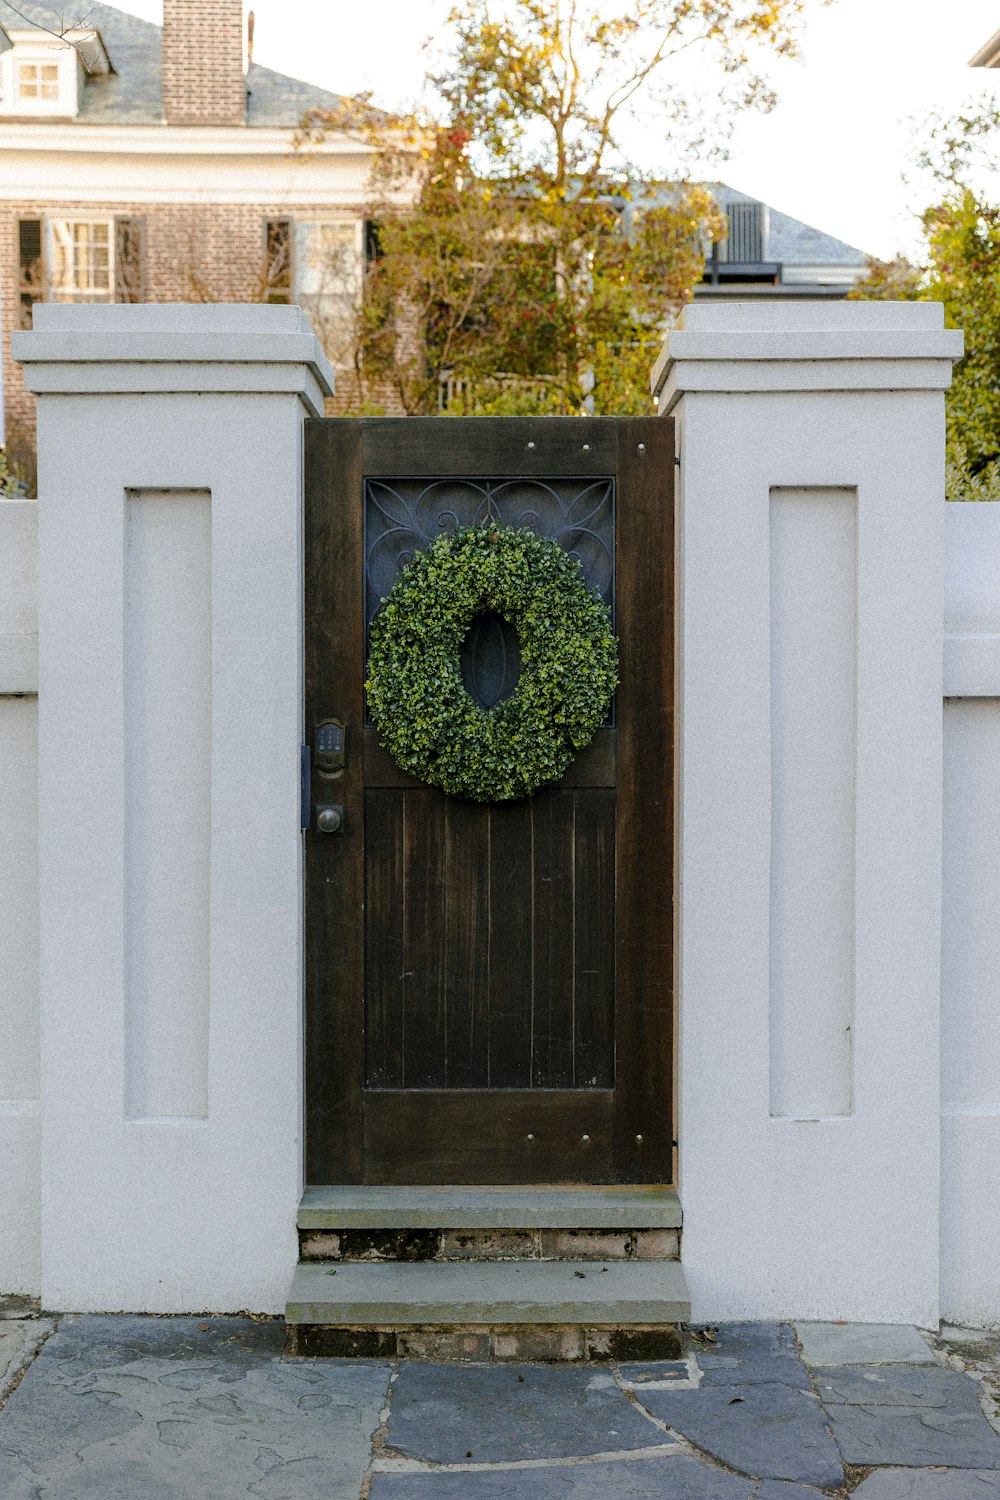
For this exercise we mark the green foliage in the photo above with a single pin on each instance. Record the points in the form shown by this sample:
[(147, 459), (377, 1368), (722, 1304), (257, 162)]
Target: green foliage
[(415, 691), (962, 271), (12, 486)]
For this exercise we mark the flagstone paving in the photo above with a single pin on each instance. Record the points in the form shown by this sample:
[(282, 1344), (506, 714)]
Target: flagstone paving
[(134, 1408)]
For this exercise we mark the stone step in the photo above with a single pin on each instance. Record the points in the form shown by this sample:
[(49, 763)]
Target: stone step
[(391, 1294), (485, 1208)]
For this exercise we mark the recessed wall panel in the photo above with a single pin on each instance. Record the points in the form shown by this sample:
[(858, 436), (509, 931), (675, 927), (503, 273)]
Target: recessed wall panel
[(168, 720), (813, 576), (18, 899), (970, 936)]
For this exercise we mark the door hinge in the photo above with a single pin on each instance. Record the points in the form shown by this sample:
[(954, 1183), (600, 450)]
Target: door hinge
[(306, 792)]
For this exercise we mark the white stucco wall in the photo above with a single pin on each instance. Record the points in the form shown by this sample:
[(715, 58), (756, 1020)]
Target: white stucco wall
[(815, 550), (20, 1243), (970, 952), (170, 458), (811, 447)]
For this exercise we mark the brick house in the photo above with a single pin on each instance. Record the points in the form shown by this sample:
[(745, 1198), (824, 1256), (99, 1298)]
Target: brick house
[(140, 163)]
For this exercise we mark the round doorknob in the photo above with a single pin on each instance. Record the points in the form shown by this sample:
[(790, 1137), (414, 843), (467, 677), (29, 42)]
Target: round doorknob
[(330, 820)]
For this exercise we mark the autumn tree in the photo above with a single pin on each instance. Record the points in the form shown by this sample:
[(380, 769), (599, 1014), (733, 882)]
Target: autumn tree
[(533, 264), (960, 267)]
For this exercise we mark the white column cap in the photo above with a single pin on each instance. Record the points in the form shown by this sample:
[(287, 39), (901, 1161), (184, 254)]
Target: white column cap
[(806, 346), (75, 349)]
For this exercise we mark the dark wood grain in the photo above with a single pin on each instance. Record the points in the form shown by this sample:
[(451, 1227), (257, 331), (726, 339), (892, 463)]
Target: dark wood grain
[(467, 946), (385, 958), (494, 973), (594, 766), (510, 945), (644, 881), (553, 896), (334, 888), (480, 1136), (594, 941), (490, 446), (424, 1017)]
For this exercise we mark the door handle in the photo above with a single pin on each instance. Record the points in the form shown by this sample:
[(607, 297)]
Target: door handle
[(330, 817)]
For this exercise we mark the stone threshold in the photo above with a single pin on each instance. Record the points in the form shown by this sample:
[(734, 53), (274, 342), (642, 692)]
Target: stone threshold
[(488, 1293), (539, 1207), (533, 1343)]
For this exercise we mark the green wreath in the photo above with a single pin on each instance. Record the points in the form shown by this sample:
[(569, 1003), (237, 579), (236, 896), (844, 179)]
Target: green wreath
[(569, 659)]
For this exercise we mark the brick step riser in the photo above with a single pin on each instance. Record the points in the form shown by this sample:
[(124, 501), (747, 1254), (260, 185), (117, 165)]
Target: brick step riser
[(532, 1343), (362, 1245)]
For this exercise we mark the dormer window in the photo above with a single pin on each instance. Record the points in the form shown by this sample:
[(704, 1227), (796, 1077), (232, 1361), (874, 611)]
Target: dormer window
[(37, 80), (45, 77)]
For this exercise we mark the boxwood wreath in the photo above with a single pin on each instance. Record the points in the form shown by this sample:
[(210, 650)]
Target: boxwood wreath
[(569, 657)]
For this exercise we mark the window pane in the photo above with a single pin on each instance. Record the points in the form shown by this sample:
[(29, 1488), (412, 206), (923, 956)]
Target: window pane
[(82, 268), (38, 80)]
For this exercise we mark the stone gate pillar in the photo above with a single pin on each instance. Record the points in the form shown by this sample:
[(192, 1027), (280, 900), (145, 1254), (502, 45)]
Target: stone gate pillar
[(170, 484), (811, 453)]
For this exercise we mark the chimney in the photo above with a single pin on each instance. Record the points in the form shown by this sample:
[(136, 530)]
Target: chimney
[(204, 62)]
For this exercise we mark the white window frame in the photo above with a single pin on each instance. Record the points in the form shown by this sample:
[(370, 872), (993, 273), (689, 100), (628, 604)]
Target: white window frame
[(55, 250), (39, 66), (330, 295), (32, 54)]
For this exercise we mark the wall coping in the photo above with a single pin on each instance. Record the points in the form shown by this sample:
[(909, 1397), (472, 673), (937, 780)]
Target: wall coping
[(750, 346), (173, 347)]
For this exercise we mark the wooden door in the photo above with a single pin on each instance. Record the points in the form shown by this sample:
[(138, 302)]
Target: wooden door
[(489, 988)]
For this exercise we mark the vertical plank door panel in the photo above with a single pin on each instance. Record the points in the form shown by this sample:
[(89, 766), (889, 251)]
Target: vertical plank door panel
[(466, 973), (594, 940), (334, 889), (424, 1020), (385, 956), (644, 881), (510, 945), (552, 919)]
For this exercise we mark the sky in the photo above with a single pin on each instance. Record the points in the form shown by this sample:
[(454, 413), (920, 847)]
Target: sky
[(833, 153)]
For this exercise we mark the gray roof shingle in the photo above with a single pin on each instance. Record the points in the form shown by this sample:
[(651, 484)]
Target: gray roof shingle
[(131, 95), (790, 241)]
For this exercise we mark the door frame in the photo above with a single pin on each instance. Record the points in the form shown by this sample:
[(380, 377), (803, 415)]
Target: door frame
[(339, 452)]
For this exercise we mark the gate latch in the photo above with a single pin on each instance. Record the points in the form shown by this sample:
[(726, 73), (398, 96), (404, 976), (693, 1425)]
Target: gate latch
[(331, 743)]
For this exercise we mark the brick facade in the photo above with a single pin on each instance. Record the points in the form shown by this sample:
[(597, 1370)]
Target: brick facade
[(203, 58), (192, 253), (207, 252)]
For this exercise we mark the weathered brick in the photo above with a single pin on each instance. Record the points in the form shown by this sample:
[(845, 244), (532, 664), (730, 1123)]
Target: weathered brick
[(657, 1244), (388, 1244), (663, 1341), (547, 1343), (319, 1244), (488, 1244), (203, 57), (585, 1244), (193, 252), (318, 1341), (450, 1344)]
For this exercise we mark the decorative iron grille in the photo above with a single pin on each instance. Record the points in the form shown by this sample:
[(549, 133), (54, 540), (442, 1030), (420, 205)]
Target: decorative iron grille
[(403, 516)]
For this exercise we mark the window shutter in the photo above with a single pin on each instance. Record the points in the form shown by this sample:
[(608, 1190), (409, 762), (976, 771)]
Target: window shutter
[(31, 263), (373, 242), (130, 239)]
